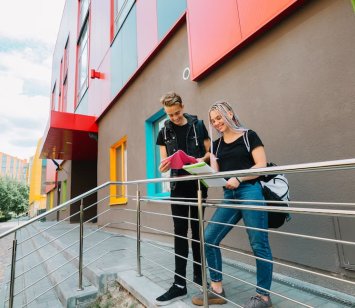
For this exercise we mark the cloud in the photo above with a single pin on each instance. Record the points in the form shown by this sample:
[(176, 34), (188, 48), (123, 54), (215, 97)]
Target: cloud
[(27, 38), (35, 19)]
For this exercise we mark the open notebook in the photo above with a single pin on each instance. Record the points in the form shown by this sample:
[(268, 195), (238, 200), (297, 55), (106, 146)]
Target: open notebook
[(203, 168)]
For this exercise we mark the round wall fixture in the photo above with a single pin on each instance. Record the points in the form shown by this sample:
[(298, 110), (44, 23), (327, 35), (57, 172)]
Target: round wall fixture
[(186, 73)]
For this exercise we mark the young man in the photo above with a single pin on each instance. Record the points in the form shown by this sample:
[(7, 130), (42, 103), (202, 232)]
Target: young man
[(182, 132)]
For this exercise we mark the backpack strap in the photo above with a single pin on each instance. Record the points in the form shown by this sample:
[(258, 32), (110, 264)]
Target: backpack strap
[(246, 140)]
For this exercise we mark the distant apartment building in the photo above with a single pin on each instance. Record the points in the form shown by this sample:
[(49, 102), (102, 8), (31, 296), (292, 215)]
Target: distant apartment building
[(13, 167)]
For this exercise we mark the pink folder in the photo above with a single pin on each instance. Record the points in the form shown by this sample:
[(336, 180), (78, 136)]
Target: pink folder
[(178, 159)]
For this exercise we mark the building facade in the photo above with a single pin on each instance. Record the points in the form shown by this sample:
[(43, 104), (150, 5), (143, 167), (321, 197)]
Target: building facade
[(37, 183), (14, 167), (287, 68)]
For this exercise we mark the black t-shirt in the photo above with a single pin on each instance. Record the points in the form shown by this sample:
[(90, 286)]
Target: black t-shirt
[(235, 155), (181, 133)]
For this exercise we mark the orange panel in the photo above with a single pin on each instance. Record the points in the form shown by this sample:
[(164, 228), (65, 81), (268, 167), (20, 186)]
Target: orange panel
[(213, 28), (254, 14)]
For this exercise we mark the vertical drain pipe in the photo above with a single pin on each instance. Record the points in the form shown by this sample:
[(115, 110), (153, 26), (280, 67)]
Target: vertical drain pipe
[(13, 268), (202, 245), (81, 244), (138, 209)]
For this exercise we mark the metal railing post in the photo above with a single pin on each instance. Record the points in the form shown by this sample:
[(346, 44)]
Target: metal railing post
[(81, 244), (138, 208), (13, 269), (202, 245)]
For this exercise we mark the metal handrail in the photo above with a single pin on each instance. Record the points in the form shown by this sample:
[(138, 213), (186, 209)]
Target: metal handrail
[(54, 210), (60, 221), (334, 165), (298, 168)]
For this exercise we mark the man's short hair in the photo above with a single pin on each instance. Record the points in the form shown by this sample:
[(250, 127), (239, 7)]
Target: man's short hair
[(171, 99)]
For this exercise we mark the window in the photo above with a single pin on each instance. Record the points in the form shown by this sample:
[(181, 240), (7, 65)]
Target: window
[(84, 10), (83, 70), (65, 76), (118, 171), (3, 164), (53, 98), (60, 86), (83, 52), (152, 127), (121, 9)]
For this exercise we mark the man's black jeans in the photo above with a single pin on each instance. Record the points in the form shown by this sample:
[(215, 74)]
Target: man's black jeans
[(181, 245)]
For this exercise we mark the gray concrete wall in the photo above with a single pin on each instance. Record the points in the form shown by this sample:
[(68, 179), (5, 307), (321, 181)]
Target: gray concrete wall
[(295, 86)]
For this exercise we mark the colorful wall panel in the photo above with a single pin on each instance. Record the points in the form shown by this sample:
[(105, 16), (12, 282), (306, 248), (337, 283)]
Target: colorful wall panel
[(216, 28), (147, 28), (213, 31)]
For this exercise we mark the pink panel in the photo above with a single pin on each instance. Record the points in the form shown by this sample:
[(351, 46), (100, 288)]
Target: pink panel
[(51, 176), (213, 28), (254, 14), (147, 28)]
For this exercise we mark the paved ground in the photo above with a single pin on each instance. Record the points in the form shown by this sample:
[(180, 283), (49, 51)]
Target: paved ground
[(112, 252), (158, 264)]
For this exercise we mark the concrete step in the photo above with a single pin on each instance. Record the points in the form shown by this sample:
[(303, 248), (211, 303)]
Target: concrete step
[(97, 251), (62, 272)]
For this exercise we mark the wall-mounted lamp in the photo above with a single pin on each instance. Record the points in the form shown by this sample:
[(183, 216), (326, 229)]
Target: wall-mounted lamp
[(95, 74)]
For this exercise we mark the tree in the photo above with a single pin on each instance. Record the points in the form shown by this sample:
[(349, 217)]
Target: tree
[(13, 196)]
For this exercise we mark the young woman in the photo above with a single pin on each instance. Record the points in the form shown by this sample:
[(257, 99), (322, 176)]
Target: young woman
[(231, 153)]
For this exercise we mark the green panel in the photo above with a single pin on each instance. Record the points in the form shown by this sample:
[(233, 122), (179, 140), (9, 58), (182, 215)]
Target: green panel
[(353, 3), (168, 13), (64, 191), (124, 53)]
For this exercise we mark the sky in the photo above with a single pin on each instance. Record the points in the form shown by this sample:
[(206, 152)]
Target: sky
[(28, 32)]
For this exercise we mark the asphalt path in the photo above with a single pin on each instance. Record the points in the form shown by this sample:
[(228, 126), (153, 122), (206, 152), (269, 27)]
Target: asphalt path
[(5, 244)]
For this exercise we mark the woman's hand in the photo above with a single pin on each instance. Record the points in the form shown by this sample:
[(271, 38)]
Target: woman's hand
[(164, 166), (213, 162), (232, 183)]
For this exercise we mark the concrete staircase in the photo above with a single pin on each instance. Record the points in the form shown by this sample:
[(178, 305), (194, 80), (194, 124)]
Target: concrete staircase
[(47, 272)]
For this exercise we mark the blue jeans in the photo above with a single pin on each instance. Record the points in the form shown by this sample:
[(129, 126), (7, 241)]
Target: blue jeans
[(259, 240)]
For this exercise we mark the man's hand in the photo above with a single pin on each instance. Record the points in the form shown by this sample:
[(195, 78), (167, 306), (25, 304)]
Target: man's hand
[(164, 167)]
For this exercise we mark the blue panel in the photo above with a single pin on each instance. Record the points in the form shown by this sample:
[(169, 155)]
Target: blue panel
[(124, 59), (168, 13), (83, 105), (116, 65), (151, 148), (129, 50)]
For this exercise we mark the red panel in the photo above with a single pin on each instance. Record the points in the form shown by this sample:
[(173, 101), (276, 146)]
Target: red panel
[(147, 28), (213, 28), (254, 14), (68, 137)]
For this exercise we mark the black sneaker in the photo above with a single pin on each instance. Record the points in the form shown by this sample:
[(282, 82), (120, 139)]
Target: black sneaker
[(173, 294)]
